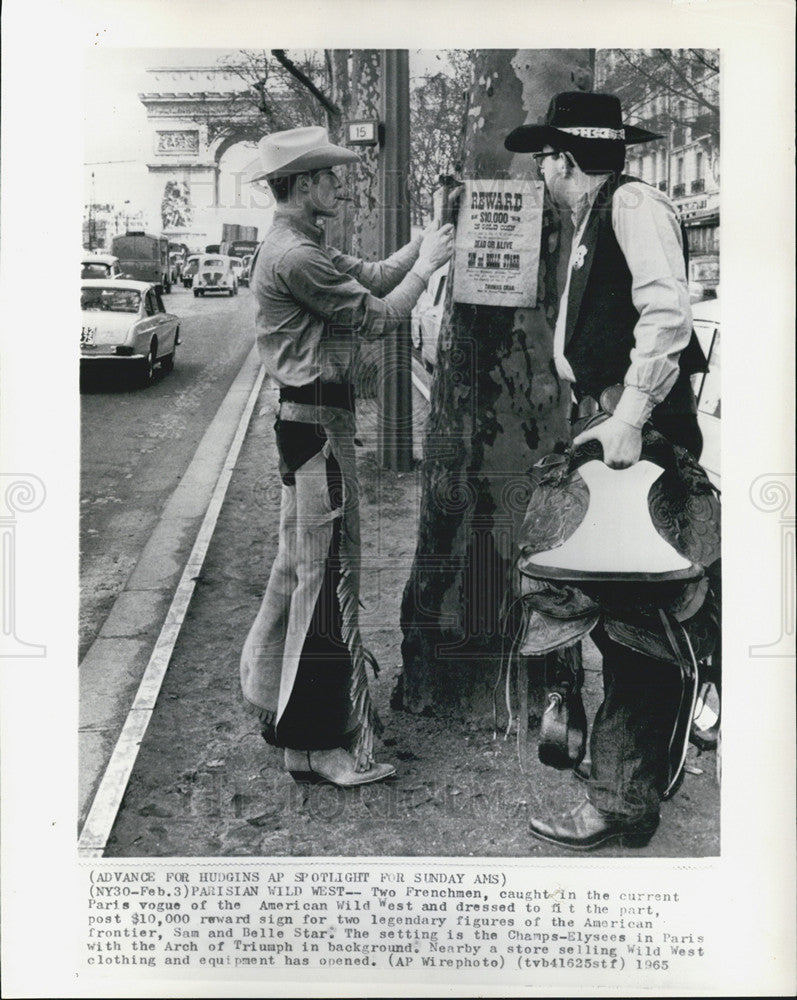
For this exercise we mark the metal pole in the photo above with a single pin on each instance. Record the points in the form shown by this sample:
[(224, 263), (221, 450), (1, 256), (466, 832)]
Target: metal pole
[(395, 385)]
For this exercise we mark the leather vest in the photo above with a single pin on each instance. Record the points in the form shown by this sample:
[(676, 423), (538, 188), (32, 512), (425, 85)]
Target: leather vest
[(601, 316)]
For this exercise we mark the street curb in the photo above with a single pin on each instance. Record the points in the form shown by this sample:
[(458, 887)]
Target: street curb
[(113, 667)]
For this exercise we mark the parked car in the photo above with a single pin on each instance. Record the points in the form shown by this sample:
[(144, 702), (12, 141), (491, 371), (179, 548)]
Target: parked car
[(215, 274), (123, 321), (246, 268), (427, 316), (706, 322), (237, 268), (700, 290), (190, 269), (100, 265)]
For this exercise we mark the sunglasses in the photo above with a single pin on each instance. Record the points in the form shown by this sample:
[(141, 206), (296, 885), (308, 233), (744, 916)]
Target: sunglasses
[(539, 157)]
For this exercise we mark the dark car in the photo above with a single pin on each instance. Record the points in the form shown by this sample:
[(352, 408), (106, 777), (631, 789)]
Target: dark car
[(190, 269)]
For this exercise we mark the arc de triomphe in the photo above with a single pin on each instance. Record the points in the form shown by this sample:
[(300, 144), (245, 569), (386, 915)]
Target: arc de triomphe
[(190, 195)]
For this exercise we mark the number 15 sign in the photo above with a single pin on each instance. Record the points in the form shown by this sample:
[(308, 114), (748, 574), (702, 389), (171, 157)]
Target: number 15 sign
[(362, 133)]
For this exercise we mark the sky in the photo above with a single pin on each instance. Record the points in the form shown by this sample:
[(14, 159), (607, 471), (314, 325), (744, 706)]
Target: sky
[(118, 139)]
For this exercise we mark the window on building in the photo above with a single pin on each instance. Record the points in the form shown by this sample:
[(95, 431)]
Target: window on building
[(679, 189), (680, 137), (699, 183), (703, 239)]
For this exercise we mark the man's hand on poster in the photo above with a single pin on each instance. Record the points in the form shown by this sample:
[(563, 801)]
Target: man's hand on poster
[(448, 210), (622, 442), (437, 245), (452, 203)]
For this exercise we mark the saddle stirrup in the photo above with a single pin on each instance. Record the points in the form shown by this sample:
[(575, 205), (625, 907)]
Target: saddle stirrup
[(689, 672)]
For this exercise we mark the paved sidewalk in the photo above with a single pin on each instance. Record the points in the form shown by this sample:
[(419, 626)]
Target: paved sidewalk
[(205, 783), (114, 664)]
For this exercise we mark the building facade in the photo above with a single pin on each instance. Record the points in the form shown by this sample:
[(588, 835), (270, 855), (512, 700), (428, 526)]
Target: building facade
[(103, 221), (678, 98)]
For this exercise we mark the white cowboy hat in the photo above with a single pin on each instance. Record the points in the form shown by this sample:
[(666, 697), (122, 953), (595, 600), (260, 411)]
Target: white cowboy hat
[(298, 150)]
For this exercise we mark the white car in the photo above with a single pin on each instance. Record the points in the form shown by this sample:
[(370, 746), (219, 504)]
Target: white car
[(99, 265), (215, 273), (246, 268), (123, 321), (706, 322), (237, 266)]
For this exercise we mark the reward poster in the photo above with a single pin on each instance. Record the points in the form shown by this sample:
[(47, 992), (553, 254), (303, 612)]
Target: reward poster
[(498, 243)]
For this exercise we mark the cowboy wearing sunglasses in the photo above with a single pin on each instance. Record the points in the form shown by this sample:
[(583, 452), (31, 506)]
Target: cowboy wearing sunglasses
[(623, 342)]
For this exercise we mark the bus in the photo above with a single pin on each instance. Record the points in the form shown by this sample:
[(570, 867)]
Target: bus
[(144, 257), (242, 248)]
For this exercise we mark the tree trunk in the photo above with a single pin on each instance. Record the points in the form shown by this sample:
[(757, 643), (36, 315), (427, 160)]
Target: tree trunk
[(364, 190), (356, 89), (356, 79), (497, 407)]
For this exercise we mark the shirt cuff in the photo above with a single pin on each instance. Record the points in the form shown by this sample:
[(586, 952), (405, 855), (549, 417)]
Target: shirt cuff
[(422, 271), (634, 407)]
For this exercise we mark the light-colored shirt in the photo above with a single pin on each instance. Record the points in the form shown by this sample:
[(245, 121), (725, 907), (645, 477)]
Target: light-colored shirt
[(314, 303), (646, 227)]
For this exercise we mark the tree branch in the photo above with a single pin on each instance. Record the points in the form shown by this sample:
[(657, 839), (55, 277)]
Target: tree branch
[(701, 57), (293, 69), (693, 92), (666, 85)]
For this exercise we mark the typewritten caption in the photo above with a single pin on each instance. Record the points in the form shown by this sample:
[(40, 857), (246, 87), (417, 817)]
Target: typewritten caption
[(527, 925)]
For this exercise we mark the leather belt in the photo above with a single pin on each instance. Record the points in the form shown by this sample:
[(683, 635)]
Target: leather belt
[(318, 393)]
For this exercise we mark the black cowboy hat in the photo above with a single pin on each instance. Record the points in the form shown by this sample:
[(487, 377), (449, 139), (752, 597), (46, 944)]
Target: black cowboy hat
[(578, 119)]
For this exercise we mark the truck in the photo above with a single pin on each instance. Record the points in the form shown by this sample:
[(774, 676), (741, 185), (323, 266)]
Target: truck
[(144, 257), (242, 248), (231, 231), (238, 241)]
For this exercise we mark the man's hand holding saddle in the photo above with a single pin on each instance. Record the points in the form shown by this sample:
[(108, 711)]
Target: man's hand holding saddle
[(621, 442)]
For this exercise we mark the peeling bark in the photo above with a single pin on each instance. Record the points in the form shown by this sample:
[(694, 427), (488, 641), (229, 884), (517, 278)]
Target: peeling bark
[(356, 88), (364, 187)]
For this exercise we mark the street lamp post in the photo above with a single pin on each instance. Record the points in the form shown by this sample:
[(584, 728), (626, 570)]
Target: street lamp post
[(395, 386)]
